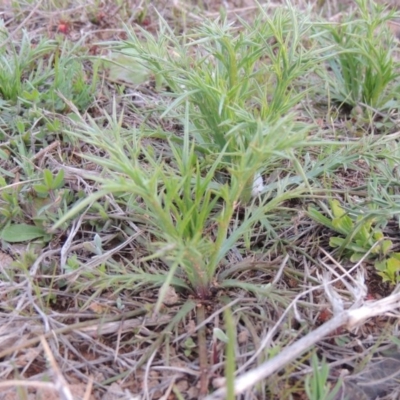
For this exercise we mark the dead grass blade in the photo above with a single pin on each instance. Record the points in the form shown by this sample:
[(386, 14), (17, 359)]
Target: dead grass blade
[(348, 319)]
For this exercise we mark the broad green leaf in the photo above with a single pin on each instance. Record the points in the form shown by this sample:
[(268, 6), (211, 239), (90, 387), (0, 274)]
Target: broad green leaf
[(321, 219), (343, 224), (189, 343), (392, 265), (386, 245), (389, 269), (337, 210), (364, 235), (58, 180), (4, 155), (336, 241), (378, 235), (383, 247), (355, 257), (395, 255), (48, 178), (385, 277), (220, 335), (361, 243), (16, 233), (380, 265), (127, 67), (41, 189), (33, 96)]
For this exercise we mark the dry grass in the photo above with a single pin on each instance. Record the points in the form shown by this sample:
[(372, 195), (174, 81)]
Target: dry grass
[(90, 332)]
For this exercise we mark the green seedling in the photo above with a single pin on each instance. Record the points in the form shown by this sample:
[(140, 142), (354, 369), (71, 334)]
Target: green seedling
[(189, 345), (389, 269), (9, 207), (362, 64), (70, 81), (34, 74), (359, 237), (316, 384), (43, 206), (72, 264), (50, 183), (186, 210), (21, 61)]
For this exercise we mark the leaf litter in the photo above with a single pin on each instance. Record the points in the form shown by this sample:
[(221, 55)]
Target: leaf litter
[(106, 343)]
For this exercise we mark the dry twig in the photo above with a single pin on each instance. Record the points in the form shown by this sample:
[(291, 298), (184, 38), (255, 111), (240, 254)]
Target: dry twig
[(347, 318)]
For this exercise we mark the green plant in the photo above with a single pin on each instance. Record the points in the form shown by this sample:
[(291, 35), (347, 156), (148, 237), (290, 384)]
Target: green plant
[(50, 183), (16, 233), (185, 209), (361, 236), (71, 81), (9, 206), (21, 62), (40, 206), (231, 80), (232, 94), (237, 85), (362, 63), (316, 383), (186, 198), (35, 73)]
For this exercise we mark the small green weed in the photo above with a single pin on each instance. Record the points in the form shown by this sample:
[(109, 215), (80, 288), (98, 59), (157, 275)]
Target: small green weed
[(41, 204), (9, 207), (21, 62), (187, 212), (361, 236), (232, 94), (34, 73), (50, 184), (316, 384), (362, 62)]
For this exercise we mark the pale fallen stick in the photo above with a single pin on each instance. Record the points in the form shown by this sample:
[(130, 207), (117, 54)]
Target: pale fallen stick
[(60, 384), (16, 383), (348, 318), (109, 328)]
